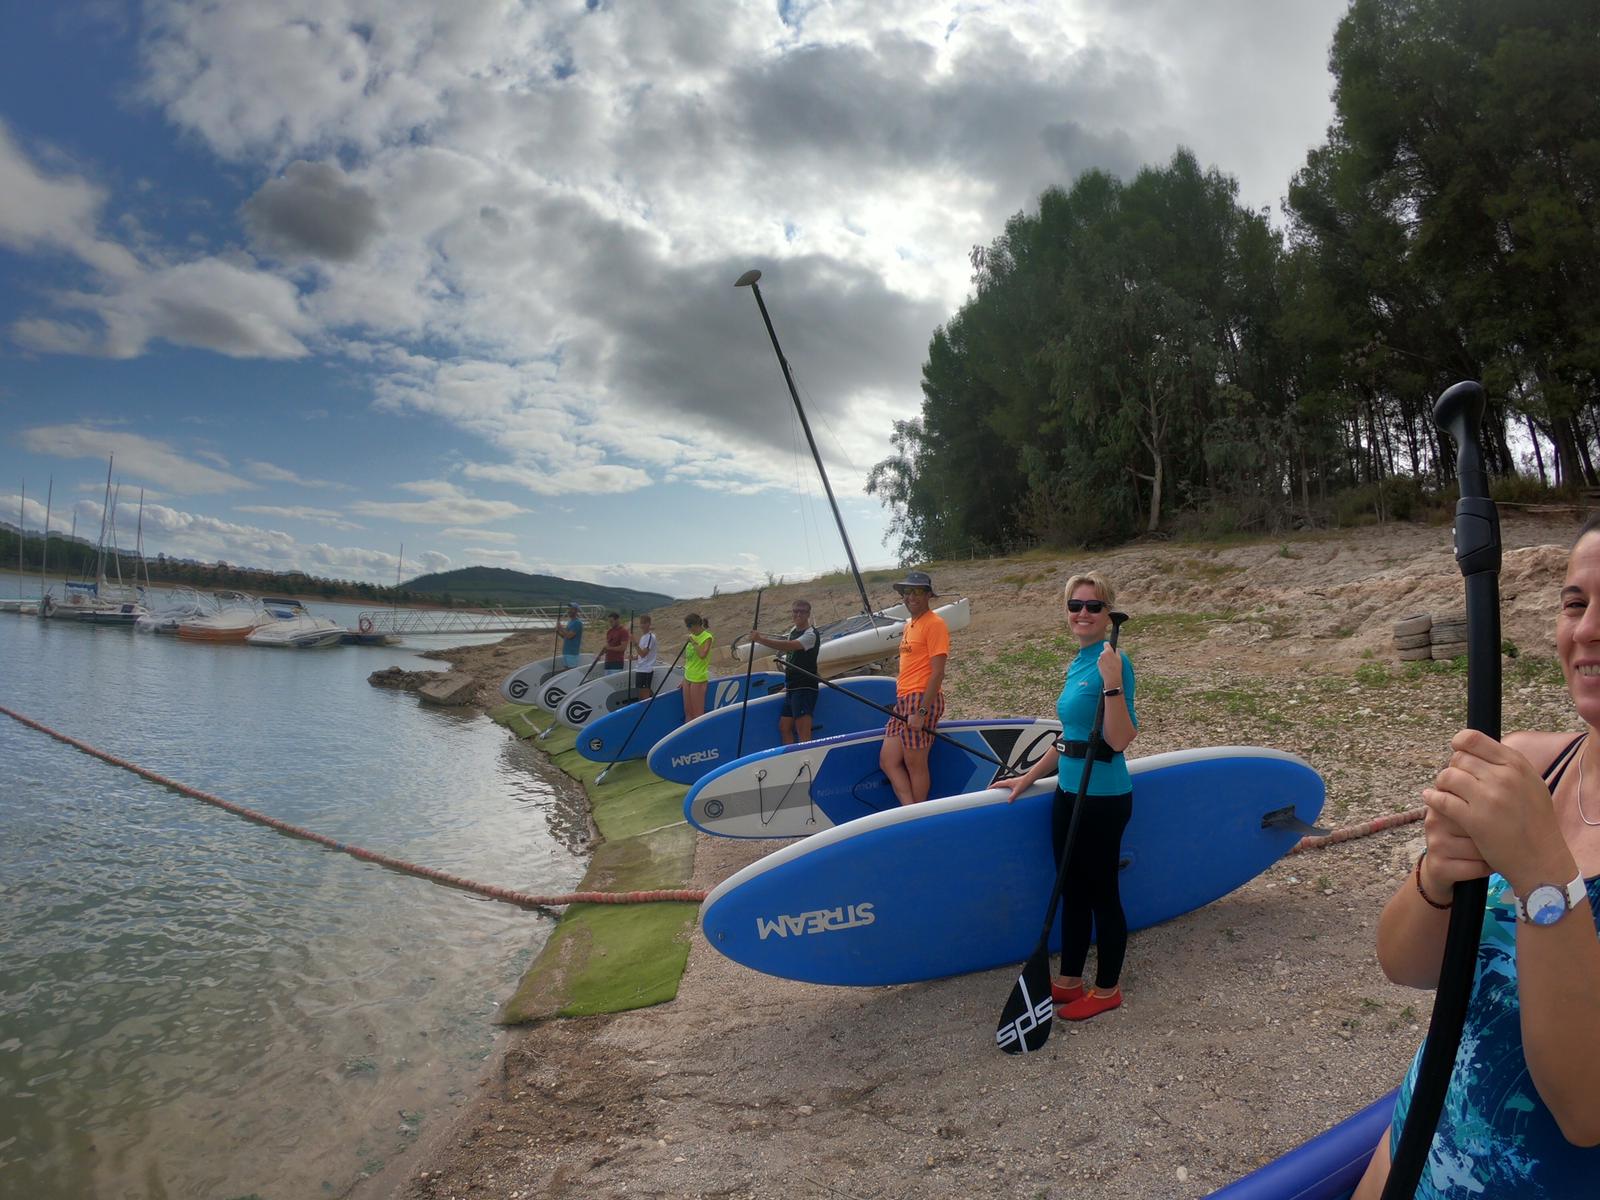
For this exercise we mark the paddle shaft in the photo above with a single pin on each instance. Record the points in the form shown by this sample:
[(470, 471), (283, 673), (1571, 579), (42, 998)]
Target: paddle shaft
[(744, 706), (884, 708), (748, 279), (654, 692), (1459, 412)]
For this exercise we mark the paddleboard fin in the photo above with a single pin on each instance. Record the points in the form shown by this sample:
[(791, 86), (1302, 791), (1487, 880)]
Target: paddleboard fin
[(1284, 819)]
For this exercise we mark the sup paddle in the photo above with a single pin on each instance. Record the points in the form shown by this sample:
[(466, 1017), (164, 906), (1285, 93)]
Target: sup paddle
[(1459, 412), (1029, 1012), (654, 692), (744, 705)]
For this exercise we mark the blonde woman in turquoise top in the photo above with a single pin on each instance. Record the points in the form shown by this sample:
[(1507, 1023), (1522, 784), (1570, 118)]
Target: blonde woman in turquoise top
[(1091, 902)]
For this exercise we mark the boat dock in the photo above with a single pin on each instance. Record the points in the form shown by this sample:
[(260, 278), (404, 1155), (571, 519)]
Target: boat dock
[(413, 622)]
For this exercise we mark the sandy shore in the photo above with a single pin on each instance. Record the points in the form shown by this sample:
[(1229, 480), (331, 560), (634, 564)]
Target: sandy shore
[(1248, 1026)]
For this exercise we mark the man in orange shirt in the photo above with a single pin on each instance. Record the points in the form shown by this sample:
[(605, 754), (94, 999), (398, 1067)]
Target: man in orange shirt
[(919, 698)]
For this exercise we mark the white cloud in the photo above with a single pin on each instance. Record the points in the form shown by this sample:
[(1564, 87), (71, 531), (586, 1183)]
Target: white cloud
[(319, 516), (447, 505), (136, 457), (554, 201), (482, 535), (276, 474)]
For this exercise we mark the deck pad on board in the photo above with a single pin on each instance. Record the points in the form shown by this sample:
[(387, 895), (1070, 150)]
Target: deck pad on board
[(630, 732), (711, 740), (795, 791)]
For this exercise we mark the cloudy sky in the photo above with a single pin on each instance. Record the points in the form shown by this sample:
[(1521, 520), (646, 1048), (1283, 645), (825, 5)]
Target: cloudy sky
[(330, 277)]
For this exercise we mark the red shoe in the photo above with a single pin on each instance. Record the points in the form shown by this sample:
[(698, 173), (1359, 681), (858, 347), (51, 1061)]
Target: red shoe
[(1090, 1005), (1062, 993)]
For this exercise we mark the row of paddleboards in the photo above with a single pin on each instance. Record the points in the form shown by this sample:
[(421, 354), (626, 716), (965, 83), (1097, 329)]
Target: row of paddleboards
[(874, 893)]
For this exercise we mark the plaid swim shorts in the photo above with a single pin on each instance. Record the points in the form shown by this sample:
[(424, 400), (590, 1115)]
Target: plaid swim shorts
[(904, 706)]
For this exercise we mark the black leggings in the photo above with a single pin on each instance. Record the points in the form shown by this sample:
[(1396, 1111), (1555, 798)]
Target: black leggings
[(1090, 899)]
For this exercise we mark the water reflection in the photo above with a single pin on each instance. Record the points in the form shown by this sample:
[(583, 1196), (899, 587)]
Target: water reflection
[(192, 1005)]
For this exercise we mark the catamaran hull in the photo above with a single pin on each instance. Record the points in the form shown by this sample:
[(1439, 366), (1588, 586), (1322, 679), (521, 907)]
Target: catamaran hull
[(853, 642)]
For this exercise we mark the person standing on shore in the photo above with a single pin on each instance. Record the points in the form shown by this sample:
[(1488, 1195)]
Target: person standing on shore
[(919, 694), (571, 631), (1522, 1113), (644, 667), (1091, 900), (696, 666), (616, 643), (800, 647)]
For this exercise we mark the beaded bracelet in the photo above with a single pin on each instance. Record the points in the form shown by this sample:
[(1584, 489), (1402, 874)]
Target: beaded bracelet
[(1423, 894)]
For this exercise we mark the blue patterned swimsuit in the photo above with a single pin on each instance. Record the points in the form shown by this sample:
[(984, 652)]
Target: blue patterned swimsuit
[(1496, 1137)]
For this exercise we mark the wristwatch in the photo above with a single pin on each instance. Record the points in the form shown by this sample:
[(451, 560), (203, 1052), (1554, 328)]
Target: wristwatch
[(1548, 903), (1116, 691)]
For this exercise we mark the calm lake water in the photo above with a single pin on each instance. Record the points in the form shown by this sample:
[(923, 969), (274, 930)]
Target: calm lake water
[(195, 1006)]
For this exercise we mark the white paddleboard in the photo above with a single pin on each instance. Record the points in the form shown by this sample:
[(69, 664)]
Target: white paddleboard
[(609, 693), (520, 687)]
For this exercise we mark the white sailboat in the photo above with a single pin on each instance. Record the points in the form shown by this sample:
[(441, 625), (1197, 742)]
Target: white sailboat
[(99, 602)]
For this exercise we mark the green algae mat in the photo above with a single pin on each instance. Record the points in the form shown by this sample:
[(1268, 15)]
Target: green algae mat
[(611, 957)]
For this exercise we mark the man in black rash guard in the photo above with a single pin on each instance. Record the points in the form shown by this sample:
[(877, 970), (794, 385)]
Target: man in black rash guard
[(799, 647)]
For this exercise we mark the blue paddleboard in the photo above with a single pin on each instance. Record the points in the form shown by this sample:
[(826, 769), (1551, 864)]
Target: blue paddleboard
[(612, 738), (795, 791), (1328, 1167), (960, 884), (712, 739)]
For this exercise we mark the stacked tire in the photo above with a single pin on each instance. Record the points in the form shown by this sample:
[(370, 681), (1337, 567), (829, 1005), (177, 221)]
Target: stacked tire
[(1448, 636), (1413, 637)]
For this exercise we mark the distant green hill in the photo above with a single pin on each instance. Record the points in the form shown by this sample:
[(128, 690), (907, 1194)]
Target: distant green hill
[(516, 589)]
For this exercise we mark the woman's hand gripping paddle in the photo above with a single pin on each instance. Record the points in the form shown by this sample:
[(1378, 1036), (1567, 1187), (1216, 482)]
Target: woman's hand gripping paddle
[(1026, 1019)]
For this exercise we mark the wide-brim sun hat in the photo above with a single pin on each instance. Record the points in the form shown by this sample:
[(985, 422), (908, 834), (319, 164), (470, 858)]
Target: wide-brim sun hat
[(917, 579)]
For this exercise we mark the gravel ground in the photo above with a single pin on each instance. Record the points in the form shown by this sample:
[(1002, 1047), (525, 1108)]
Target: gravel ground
[(1248, 1025)]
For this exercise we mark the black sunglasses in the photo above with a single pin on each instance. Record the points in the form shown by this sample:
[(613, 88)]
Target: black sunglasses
[(1094, 606)]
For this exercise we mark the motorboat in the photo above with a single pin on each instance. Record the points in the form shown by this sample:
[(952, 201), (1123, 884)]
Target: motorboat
[(235, 615), (291, 626), (182, 604)]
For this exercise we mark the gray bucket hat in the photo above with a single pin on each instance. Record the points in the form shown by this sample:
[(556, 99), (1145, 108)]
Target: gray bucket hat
[(917, 579)]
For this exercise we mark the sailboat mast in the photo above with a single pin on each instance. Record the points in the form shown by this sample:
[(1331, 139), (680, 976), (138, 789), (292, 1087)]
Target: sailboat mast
[(116, 550), (139, 547), (44, 554), (22, 510), (748, 279), (105, 513)]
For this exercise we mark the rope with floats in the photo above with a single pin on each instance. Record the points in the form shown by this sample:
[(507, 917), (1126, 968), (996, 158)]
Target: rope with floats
[(433, 874)]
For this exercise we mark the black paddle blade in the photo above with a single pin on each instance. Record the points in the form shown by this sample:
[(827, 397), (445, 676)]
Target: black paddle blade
[(1025, 1020)]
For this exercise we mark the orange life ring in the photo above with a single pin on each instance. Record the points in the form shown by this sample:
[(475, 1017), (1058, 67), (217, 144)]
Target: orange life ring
[(366, 624)]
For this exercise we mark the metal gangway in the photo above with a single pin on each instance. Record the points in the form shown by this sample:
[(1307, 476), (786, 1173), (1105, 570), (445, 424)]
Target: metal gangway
[(415, 622)]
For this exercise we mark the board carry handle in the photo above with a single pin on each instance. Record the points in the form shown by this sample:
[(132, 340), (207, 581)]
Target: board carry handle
[(1459, 412)]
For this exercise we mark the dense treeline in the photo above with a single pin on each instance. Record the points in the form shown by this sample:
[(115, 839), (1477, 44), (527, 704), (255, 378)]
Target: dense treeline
[(75, 559), (1143, 353)]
